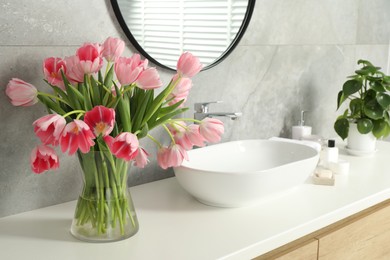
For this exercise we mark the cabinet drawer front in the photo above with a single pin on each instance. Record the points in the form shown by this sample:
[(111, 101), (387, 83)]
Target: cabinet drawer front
[(365, 238)]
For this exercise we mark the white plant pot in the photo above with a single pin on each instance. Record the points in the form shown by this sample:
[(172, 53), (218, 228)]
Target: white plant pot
[(357, 142)]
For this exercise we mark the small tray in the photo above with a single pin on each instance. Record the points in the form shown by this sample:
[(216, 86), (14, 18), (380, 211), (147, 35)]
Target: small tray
[(323, 181)]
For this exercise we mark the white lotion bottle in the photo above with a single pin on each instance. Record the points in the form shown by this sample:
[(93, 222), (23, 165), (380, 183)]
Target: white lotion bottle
[(330, 154), (301, 130)]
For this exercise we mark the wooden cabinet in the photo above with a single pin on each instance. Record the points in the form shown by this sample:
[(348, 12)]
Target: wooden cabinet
[(301, 249), (365, 238), (365, 235)]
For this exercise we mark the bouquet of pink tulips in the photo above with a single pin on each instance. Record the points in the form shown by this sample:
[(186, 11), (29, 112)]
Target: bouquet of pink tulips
[(117, 107), (106, 109)]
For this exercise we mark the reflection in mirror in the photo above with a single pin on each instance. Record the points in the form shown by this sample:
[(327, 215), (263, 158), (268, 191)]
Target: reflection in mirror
[(162, 30)]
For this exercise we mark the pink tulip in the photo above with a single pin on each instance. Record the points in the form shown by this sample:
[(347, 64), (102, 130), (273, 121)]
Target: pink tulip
[(188, 137), (171, 156), (181, 90), (101, 120), (211, 129), (43, 158), (112, 48), (21, 93), (194, 136), (74, 71), (188, 65), (178, 130), (141, 159), (52, 70), (49, 128), (127, 70), (149, 79), (76, 135), (162, 157), (124, 146), (90, 57)]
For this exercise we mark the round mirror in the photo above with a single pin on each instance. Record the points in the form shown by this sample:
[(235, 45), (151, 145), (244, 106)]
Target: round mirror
[(162, 30)]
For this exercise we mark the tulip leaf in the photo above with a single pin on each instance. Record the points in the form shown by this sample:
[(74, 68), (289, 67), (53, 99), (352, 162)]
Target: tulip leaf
[(109, 77), (123, 110), (73, 100), (144, 131), (87, 97), (52, 105), (60, 92), (168, 116), (142, 105), (158, 101), (169, 109), (94, 88)]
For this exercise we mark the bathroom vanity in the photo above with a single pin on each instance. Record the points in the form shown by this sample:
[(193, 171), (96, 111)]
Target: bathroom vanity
[(306, 222)]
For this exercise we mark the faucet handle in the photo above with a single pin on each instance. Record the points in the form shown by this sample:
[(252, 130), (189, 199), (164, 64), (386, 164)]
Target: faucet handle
[(203, 107)]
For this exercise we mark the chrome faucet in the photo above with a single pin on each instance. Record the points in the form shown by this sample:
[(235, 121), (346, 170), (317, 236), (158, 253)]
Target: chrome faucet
[(202, 111)]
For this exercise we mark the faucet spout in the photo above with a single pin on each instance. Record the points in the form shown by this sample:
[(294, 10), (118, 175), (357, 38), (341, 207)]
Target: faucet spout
[(202, 111), (232, 116)]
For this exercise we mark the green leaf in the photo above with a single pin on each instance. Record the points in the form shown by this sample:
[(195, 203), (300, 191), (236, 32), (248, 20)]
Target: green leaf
[(341, 126), (356, 107), (109, 76), (370, 94), (372, 78), (351, 86), (364, 125), (60, 92), (381, 128), (95, 90), (340, 98), (144, 131), (386, 116), (345, 115), (87, 97), (169, 109), (373, 110), (383, 100), (123, 110), (362, 72), (386, 79), (139, 115), (157, 102), (52, 105), (365, 62), (168, 116), (367, 70), (377, 86), (73, 100)]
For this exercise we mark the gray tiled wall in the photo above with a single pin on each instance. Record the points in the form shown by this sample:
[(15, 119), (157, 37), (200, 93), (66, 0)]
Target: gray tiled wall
[(295, 55)]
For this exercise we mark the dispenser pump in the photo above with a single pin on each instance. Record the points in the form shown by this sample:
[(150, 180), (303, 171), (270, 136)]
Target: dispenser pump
[(301, 129), (301, 122)]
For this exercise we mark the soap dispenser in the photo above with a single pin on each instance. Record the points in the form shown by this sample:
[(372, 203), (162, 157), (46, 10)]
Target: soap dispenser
[(301, 130)]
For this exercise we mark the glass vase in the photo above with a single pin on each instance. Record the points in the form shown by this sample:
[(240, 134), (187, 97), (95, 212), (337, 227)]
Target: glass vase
[(105, 210)]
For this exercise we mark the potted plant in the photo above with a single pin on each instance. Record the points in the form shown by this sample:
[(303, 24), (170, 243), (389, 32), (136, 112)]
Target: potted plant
[(367, 117)]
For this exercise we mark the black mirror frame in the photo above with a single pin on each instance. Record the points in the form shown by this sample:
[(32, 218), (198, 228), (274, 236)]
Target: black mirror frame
[(234, 43)]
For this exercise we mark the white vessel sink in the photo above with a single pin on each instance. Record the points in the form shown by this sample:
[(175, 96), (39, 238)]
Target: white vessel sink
[(241, 173)]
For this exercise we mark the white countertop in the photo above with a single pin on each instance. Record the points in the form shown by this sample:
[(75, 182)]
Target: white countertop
[(173, 225)]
